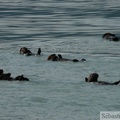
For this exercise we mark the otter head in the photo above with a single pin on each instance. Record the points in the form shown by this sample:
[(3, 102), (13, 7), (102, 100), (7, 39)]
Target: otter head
[(92, 78), (1, 71), (52, 57), (25, 50), (108, 36)]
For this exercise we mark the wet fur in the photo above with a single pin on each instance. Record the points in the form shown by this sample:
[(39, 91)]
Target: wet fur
[(27, 52), (54, 57), (94, 79), (7, 76), (110, 37)]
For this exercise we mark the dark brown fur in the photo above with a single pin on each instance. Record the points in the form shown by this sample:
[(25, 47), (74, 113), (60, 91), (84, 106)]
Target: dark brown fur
[(54, 57), (94, 79), (111, 37), (27, 52), (7, 76)]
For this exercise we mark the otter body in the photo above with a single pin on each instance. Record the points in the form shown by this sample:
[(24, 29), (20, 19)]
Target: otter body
[(94, 79), (110, 37), (7, 76), (27, 52), (54, 57)]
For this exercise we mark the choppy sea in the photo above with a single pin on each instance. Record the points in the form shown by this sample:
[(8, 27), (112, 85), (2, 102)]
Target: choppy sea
[(57, 90)]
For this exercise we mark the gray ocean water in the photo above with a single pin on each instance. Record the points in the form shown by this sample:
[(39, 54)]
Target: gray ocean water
[(57, 90)]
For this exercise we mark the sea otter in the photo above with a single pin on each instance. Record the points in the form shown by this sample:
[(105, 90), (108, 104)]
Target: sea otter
[(7, 76), (27, 52), (21, 78), (111, 37), (94, 79), (54, 57)]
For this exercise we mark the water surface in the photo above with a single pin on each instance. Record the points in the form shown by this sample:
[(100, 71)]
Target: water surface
[(57, 90)]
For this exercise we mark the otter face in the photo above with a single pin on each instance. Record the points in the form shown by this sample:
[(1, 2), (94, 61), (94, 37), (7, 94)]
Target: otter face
[(92, 78), (108, 36), (52, 57), (25, 50)]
